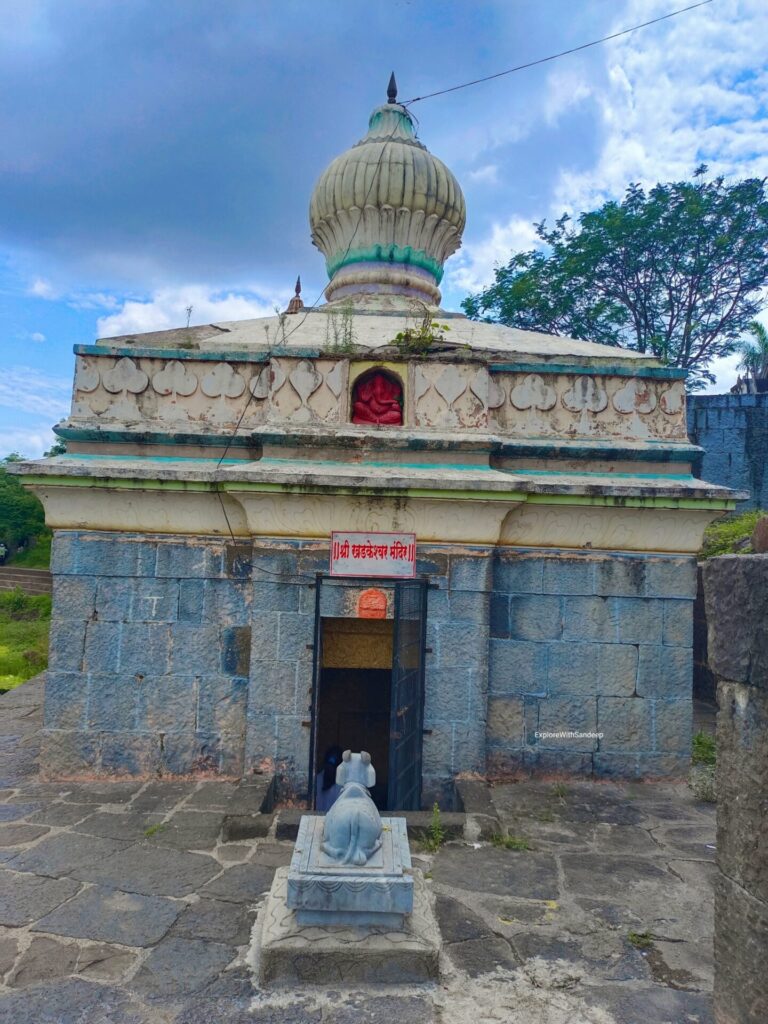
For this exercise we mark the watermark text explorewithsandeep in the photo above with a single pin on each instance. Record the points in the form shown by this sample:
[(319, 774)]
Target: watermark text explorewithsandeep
[(569, 735)]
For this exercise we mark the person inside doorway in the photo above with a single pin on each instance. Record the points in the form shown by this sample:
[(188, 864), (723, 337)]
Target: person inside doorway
[(327, 789)]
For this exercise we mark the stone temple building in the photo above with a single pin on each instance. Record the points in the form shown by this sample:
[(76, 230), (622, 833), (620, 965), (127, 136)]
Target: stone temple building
[(374, 523)]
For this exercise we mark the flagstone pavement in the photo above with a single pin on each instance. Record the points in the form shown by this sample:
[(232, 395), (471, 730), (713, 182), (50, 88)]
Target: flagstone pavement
[(120, 903)]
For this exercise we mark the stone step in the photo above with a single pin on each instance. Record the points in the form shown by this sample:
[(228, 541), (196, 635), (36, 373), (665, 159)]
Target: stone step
[(31, 581)]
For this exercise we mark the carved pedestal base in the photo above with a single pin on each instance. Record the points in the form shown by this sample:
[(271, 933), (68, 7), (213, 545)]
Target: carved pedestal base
[(323, 891), (285, 952)]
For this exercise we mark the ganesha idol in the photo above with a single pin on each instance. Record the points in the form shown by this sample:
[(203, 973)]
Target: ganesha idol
[(378, 399)]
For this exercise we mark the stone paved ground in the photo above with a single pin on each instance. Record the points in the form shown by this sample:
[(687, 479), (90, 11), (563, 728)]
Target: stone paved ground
[(120, 904)]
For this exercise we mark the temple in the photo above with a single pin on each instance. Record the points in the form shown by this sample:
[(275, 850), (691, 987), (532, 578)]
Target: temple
[(372, 524)]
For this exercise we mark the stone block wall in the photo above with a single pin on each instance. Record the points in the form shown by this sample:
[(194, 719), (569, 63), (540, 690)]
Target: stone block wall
[(704, 683), (149, 655), (590, 643), (185, 654), (733, 431), (736, 594)]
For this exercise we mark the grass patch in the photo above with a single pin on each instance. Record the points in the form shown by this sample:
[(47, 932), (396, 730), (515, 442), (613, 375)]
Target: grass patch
[(36, 556), (153, 830), (702, 782), (703, 761), (730, 535), (640, 940), (560, 790), (510, 842), (24, 627), (703, 749), (435, 836)]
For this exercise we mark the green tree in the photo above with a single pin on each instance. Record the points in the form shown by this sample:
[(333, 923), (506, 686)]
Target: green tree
[(675, 272), (754, 352), (59, 447), (22, 518)]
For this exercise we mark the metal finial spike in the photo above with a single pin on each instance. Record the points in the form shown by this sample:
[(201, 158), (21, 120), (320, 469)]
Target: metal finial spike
[(296, 305), (392, 89)]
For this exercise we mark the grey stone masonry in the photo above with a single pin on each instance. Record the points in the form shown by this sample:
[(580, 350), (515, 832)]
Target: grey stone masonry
[(736, 595), (593, 644), (149, 655), (733, 431), (175, 654)]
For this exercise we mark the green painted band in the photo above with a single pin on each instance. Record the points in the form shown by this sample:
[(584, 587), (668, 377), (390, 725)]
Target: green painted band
[(610, 370), (255, 355), (148, 437), (393, 254), (143, 351)]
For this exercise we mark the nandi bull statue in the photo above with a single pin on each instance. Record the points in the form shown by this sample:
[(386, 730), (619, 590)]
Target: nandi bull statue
[(353, 827)]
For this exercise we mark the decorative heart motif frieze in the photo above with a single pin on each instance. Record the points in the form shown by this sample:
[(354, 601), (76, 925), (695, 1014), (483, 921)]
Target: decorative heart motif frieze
[(533, 392), (125, 375), (586, 395), (175, 379), (223, 381)]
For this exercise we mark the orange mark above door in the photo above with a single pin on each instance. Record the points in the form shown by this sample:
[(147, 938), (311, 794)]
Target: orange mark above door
[(372, 604)]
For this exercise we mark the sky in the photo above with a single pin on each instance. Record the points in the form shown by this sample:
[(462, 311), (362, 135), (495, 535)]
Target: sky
[(160, 154)]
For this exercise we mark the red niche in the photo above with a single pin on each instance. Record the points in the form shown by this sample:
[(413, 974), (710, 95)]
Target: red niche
[(377, 398), (372, 604)]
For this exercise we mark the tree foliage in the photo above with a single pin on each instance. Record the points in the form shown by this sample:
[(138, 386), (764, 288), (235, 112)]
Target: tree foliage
[(22, 518), (754, 351), (675, 272), (59, 447)]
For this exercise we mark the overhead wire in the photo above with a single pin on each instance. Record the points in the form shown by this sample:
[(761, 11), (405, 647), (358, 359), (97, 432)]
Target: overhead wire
[(556, 56)]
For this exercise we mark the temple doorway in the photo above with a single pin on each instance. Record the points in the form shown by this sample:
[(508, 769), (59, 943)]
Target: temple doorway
[(354, 693), (368, 691)]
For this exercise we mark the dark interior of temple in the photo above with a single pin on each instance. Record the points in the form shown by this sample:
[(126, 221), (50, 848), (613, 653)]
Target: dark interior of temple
[(355, 692)]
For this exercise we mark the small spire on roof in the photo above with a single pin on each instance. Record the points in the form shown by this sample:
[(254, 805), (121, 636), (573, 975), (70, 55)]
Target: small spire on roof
[(295, 305), (392, 89)]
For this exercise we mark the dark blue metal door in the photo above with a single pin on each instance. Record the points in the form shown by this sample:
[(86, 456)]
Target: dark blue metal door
[(407, 706)]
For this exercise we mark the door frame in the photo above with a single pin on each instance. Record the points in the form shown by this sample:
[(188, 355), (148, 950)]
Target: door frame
[(357, 583)]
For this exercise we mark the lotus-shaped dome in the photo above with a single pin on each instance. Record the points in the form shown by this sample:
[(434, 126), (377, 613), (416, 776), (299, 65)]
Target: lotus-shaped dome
[(387, 213)]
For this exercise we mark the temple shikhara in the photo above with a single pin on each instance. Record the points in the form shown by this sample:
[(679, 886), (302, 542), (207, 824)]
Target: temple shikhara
[(372, 524)]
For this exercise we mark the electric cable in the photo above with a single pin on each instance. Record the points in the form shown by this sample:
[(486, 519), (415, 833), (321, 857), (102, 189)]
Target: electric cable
[(556, 56)]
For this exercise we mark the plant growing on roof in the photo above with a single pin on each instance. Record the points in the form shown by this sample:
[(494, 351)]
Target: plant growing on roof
[(420, 338), (340, 329)]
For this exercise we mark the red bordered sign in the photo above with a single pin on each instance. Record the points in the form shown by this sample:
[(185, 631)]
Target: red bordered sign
[(373, 554)]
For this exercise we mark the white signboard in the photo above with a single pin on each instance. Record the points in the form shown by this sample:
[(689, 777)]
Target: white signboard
[(374, 554)]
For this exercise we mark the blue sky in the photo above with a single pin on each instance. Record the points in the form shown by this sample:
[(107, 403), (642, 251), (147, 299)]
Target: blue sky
[(162, 154)]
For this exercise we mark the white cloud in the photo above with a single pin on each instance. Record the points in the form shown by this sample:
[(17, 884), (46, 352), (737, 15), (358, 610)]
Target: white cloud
[(486, 175), (567, 87), (473, 268), (30, 442), (690, 90), (167, 308), (25, 389), (42, 289), (37, 336), (93, 300)]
